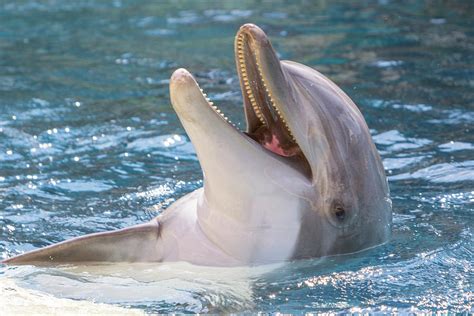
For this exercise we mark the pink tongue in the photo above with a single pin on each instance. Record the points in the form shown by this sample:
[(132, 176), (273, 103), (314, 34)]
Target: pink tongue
[(274, 145)]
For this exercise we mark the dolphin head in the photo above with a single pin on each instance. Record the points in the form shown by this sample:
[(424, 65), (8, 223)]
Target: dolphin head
[(303, 180)]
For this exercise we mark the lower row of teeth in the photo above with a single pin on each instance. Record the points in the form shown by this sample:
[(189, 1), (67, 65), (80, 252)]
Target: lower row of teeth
[(216, 109)]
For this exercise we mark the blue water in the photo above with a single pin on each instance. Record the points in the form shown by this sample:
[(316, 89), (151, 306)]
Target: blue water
[(89, 141)]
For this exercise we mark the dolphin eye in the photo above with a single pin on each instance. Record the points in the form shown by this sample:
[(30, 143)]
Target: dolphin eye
[(339, 212)]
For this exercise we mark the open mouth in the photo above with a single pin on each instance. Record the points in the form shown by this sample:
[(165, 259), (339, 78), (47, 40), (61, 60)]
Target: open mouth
[(265, 123)]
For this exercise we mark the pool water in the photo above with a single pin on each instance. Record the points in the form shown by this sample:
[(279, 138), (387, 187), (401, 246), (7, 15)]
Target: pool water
[(89, 142)]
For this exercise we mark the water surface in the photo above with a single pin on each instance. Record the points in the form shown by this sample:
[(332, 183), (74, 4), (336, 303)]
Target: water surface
[(89, 142)]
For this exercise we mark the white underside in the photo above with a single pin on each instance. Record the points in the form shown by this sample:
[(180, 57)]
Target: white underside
[(194, 232)]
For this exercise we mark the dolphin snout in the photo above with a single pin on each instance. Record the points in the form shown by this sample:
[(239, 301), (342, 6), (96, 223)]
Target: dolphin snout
[(254, 32), (248, 27), (181, 76), (184, 92)]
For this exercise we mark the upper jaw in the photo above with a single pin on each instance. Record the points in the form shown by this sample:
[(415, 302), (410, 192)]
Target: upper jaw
[(254, 56), (265, 91)]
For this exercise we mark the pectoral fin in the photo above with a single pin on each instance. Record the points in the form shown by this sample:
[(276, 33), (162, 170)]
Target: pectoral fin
[(133, 244)]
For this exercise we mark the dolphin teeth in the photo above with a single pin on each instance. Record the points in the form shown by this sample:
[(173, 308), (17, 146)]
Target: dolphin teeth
[(272, 101), (245, 79), (216, 109)]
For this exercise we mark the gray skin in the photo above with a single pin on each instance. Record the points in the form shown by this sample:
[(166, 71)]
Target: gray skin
[(305, 180)]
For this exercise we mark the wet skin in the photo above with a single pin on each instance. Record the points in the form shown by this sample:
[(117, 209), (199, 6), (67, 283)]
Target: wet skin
[(304, 180)]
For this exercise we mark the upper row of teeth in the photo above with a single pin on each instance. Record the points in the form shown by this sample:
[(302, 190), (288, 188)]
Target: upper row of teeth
[(248, 89), (243, 71)]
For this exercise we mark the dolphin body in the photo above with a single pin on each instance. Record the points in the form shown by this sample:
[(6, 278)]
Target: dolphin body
[(305, 179)]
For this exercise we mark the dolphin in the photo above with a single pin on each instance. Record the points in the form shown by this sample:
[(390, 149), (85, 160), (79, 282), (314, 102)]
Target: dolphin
[(304, 180)]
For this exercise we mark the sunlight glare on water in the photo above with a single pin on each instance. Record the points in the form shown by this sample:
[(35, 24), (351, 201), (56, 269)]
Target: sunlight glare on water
[(89, 142)]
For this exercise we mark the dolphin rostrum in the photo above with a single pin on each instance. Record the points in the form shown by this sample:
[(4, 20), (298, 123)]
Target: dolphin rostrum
[(305, 179)]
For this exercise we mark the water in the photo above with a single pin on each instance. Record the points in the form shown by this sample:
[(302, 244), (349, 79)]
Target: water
[(89, 142)]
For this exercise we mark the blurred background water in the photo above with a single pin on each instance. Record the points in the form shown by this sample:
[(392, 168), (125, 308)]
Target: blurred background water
[(89, 142)]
